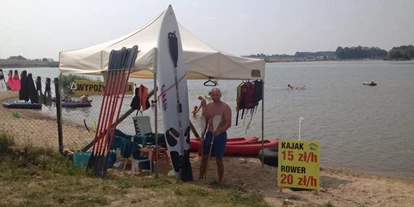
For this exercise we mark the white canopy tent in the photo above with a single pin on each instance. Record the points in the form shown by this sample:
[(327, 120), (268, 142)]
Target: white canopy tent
[(202, 61)]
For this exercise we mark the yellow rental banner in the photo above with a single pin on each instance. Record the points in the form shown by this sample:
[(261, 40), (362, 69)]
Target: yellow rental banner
[(87, 87), (298, 164)]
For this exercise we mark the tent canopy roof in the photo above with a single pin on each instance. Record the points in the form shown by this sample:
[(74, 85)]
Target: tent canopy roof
[(202, 61)]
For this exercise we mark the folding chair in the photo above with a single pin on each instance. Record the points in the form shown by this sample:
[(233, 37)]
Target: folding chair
[(132, 151), (142, 126), (118, 139)]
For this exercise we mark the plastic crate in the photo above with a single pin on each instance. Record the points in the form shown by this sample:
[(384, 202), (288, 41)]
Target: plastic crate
[(80, 159)]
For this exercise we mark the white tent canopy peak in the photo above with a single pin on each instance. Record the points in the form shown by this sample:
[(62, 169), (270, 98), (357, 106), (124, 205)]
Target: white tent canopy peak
[(202, 61)]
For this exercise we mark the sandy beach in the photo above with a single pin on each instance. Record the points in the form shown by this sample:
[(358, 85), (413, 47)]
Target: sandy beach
[(338, 187), (39, 129)]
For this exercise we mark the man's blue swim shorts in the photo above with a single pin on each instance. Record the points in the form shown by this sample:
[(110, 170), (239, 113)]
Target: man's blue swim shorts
[(219, 144)]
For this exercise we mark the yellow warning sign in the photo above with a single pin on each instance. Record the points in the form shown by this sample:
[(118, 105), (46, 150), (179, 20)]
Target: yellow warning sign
[(87, 87), (298, 164)]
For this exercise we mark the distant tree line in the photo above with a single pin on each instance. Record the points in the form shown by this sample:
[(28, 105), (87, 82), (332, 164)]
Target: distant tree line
[(68, 79), (360, 53), (314, 54), (396, 53), (261, 55), (401, 53), (19, 57), (296, 55)]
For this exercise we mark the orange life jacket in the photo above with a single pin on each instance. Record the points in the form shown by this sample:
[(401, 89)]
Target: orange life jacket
[(143, 96), (140, 100)]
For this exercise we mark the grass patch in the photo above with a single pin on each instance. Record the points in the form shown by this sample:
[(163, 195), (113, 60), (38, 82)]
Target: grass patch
[(19, 163), (6, 143), (295, 198), (327, 204), (32, 176)]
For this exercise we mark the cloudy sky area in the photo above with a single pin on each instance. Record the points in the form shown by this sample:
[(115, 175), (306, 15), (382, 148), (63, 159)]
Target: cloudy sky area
[(43, 28)]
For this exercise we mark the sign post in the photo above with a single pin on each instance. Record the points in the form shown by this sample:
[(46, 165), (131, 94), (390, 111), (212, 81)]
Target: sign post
[(300, 125), (298, 164)]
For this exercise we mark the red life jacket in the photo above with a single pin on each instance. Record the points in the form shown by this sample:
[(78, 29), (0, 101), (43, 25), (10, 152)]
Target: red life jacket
[(245, 98), (249, 95)]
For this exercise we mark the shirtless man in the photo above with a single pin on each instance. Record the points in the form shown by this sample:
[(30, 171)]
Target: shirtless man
[(218, 120), (202, 106), (84, 99)]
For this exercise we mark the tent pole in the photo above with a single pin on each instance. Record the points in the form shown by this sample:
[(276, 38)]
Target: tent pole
[(263, 123), (156, 123)]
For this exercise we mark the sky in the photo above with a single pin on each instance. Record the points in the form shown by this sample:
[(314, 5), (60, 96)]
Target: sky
[(43, 28)]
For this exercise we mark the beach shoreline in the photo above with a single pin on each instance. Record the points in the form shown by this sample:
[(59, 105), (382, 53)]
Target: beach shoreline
[(5, 63), (337, 186)]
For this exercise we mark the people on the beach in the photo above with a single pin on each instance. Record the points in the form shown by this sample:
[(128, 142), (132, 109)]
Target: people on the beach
[(67, 99), (202, 106), (214, 136), (84, 99), (194, 110), (208, 97)]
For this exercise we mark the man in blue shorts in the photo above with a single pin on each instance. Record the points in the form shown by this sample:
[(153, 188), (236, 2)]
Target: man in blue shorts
[(218, 120)]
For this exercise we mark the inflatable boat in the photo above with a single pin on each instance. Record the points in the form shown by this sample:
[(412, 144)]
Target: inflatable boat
[(21, 105), (270, 156), (195, 143), (369, 83), (76, 104)]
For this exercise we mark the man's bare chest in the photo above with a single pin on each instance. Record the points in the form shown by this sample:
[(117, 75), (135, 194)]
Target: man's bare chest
[(213, 111)]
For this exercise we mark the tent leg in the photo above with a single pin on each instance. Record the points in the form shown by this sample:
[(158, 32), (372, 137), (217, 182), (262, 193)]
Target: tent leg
[(156, 124), (263, 124)]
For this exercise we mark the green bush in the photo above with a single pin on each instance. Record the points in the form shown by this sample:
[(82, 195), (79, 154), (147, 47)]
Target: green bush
[(68, 79), (6, 142)]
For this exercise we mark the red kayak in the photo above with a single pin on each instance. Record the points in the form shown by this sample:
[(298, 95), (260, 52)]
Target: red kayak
[(250, 149), (240, 148), (195, 143)]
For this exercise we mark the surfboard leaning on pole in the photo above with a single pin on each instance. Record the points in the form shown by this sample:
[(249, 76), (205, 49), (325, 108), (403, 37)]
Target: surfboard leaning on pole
[(174, 95)]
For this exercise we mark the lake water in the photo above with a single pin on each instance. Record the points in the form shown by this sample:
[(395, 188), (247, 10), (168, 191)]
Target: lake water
[(360, 128)]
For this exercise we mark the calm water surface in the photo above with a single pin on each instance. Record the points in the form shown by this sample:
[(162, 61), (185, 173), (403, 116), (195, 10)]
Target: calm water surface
[(360, 128)]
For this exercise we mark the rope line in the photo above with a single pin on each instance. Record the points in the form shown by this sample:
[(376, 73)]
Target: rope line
[(164, 92)]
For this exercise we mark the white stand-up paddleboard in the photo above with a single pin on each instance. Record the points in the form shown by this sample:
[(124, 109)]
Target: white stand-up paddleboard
[(3, 86), (173, 95)]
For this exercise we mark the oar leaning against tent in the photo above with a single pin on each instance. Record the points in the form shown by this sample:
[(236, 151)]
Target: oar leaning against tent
[(203, 174)]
